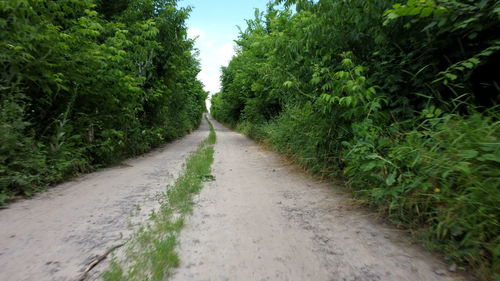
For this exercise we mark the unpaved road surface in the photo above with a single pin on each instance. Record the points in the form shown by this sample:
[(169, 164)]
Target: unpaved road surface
[(263, 220), (55, 235)]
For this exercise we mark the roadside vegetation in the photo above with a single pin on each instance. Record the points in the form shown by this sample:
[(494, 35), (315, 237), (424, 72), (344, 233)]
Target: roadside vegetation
[(398, 99), (150, 254), (85, 83)]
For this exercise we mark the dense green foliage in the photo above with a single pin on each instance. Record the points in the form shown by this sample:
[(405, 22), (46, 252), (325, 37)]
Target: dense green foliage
[(85, 83), (399, 99)]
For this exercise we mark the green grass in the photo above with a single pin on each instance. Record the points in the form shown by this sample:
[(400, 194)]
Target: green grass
[(150, 254)]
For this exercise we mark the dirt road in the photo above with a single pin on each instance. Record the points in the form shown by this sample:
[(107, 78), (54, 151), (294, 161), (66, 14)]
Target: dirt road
[(56, 234), (263, 220)]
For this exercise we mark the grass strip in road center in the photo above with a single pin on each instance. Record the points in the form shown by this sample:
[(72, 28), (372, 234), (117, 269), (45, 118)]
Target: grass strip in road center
[(150, 254)]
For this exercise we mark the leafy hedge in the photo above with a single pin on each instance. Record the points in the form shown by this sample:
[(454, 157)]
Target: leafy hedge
[(399, 99), (85, 83)]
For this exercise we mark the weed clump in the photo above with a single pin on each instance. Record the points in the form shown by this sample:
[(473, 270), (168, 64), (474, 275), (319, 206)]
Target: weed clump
[(150, 254)]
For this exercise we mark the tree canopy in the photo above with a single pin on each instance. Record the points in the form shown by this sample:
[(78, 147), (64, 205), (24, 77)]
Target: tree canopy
[(85, 83)]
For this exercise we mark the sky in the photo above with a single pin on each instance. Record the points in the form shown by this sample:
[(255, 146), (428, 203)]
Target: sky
[(215, 23)]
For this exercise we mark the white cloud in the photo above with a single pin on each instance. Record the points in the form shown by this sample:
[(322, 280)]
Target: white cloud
[(194, 32), (226, 52), (213, 55)]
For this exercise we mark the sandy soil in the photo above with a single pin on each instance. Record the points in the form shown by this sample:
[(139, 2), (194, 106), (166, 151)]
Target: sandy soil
[(55, 235), (264, 220)]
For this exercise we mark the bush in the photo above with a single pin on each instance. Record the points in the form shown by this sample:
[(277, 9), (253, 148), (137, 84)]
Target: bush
[(440, 179), (397, 98), (22, 162), (86, 83)]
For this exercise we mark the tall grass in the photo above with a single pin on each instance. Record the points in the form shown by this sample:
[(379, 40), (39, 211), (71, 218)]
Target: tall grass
[(439, 180)]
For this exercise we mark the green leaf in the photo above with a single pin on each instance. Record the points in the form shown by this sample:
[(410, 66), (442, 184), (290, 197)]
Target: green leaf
[(451, 76), (390, 179), (426, 12), (368, 166), (464, 167), (468, 154), (489, 157)]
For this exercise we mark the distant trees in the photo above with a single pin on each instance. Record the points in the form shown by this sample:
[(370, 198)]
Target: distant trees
[(85, 83), (400, 99)]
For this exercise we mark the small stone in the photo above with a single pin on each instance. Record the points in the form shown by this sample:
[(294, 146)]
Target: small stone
[(440, 272), (453, 267)]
